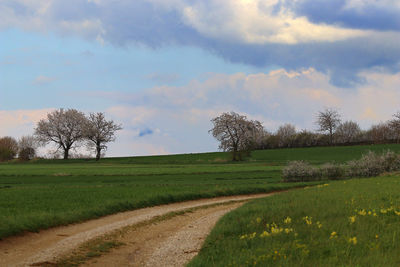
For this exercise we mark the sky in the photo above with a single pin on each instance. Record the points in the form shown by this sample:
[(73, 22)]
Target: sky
[(164, 68)]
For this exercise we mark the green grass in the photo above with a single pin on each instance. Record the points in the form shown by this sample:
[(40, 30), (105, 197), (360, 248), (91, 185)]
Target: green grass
[(364, 214), (46, 193)]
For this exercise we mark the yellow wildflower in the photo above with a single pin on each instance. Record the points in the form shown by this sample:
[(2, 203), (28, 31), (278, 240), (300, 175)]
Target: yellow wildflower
[(258, 220), (308, 220), (362, 212), (264, 234), (252, 235), (352, 219), (384, 211), (376, 236), (353, 240), (397, 213), (288, 230), (243, 236), (333, 235), (287, 220), (276, 230), (319, 224)]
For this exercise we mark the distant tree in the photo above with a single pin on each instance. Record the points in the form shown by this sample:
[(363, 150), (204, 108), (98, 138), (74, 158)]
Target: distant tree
[(327, 121), (8, 148), (235, 133), (347, 132), (305, 138), (27, 146), (62, 127), (394, 124), (286, 134), (380, 133), (99, 131)]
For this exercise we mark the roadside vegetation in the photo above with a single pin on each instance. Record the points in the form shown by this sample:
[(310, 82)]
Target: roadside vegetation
[(340, 223)]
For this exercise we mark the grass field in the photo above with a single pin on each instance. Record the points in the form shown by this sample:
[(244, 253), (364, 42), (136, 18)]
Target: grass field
[(46, 193), (343, 223)]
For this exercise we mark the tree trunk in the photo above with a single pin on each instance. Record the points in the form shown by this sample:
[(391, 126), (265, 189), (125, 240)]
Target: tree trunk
[(66, 153), (234, 153), (98, 152)]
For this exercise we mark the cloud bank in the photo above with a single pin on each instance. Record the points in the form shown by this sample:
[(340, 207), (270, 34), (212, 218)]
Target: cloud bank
[(339, 38)]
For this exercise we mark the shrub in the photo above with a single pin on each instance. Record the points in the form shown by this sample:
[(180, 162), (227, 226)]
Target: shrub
[(370, 164), (27, 147), (300, 171), (391, 161), (8, 148), (26, 153), (332, 171)]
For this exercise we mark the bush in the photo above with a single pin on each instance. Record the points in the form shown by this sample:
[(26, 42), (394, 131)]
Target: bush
[(300, 171), (370, 164), (26, 153), (27, 147), (391, 161), (332, 171), (8, 148)]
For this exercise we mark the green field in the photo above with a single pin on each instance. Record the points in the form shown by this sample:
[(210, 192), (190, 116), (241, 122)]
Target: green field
[(46, 193), (346, 223)]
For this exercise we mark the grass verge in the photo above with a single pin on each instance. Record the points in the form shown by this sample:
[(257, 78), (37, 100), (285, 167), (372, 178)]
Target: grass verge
[(345, 223)]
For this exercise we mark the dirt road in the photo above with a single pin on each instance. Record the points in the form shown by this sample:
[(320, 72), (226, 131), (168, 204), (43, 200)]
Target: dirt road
[(169, 242)]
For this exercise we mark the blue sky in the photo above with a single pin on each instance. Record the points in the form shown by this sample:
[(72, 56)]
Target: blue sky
[(164, 68)]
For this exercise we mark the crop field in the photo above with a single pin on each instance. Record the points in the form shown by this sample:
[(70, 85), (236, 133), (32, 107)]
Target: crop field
[(45, 193)]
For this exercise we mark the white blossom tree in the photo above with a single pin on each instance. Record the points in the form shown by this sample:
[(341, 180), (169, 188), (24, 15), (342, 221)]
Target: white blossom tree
[(62, 127), (235, 133)]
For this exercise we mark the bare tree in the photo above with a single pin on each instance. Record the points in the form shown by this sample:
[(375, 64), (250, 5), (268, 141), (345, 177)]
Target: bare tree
[(63, 127), (27, 146), (347, 132), (380, 133), (328, 120), (286, 134), (99, 132), (8, 148), (395, 125), (235, 133)]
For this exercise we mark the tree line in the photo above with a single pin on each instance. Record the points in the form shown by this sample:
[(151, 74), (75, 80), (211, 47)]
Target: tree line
[(67, 129), (240, 135)]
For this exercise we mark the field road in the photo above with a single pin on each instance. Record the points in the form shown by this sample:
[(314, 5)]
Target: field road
[(170, 242)]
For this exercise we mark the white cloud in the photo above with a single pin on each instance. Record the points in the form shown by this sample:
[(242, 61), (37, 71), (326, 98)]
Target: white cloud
[(250, 22), (17, 123), (255, 22)]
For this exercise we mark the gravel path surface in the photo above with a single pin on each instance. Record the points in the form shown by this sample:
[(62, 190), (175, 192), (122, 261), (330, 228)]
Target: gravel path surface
[(48, 245)]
